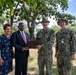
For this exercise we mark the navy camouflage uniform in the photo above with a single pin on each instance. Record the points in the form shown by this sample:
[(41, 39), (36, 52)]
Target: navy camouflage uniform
[(65, 47), (46, 38)]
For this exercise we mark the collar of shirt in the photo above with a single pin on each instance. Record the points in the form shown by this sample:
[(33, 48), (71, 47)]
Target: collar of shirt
[(23, 33)]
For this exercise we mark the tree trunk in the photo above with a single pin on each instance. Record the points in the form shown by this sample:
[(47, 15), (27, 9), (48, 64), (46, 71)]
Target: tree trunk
[(31, 31), (11, 20)]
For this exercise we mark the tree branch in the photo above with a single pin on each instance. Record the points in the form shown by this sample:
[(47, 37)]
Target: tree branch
[(26, 7)]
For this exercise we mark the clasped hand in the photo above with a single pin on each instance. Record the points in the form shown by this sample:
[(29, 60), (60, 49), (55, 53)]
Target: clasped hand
[(1, 61), (39, 46), (25, 48)]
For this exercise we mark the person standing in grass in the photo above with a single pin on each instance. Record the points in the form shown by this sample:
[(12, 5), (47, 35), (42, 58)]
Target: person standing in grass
[(46, 37), (65, 48), (6, 50), (19, 41)]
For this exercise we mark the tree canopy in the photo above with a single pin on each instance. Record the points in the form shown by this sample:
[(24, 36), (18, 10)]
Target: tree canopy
[(33, 10)]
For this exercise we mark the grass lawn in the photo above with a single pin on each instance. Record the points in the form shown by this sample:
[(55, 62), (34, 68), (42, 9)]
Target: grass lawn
[(33, 67)]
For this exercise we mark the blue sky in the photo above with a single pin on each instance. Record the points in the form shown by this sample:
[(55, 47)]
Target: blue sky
[(71, 7), (71, 10)]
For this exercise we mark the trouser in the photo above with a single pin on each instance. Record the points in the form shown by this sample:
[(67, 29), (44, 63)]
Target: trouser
[(21, 66), (47, 62), (64, 65)]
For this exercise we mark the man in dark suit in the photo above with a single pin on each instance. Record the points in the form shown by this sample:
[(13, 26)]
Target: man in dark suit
[(19, 41)]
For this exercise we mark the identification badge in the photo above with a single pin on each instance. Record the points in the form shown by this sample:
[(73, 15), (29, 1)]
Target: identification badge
[(62, 41)]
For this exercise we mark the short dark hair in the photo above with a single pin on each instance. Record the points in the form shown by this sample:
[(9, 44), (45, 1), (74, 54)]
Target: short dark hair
[(62, 20), (6, 25), (21, 23)]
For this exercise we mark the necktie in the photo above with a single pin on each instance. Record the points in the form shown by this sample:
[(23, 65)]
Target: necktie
[(24, 38)]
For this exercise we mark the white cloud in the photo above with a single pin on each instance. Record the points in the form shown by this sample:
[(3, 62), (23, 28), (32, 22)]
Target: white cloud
[(52, 22)]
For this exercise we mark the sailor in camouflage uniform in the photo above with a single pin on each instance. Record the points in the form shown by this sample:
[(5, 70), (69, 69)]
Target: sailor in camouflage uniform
[(65, 48), (46, 37)]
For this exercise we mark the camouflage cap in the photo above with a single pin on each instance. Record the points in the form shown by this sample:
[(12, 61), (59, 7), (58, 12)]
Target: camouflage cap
[(62, 20), (45, 20)]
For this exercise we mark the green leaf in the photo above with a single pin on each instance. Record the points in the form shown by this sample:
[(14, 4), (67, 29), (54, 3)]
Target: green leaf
[(12, 12), (28, 2), (33, 5)]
